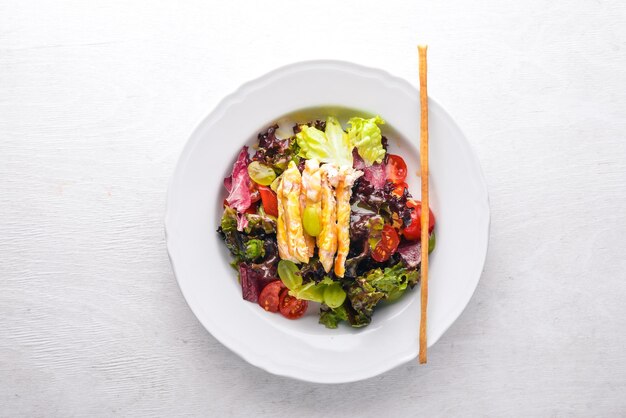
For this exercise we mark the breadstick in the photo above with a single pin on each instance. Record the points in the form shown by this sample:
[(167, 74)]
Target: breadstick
[(425, 208)]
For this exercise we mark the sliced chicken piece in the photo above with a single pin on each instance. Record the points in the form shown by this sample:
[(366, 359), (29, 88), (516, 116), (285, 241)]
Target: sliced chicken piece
[(327, 239), (281, 228), (310, 195), (308, 239), (346, 178), (292, 186)]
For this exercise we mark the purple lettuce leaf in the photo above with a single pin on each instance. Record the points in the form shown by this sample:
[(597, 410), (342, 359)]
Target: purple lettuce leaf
[(382, 200), (410, 253), (254, 277), (273, 151), (375, 174)]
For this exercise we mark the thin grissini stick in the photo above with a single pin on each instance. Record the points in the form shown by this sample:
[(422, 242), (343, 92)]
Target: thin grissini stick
[(425, 208)]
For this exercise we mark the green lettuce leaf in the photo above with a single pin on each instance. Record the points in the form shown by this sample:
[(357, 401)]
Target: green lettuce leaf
[(254, 249), (373, 287), (312, 291), (392, 281), (363, 298), (330, 146), (331, 317), (365, 135), (257, 223), (375, 225), (247, 245), (229, 220), (260, 223)]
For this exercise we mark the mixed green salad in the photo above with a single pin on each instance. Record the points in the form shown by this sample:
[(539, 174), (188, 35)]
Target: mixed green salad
[(323, 216)]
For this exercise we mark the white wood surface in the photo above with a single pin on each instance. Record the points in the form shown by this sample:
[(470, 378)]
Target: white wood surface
[(97, 99)]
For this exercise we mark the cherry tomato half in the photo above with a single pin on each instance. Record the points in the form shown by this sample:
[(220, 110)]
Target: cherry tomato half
[(269, 299), (387, 245), (270, 202), (291, 307), (396, 168), (413, 230)]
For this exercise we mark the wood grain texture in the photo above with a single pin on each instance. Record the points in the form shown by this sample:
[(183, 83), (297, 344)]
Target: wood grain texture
[(97, 99)]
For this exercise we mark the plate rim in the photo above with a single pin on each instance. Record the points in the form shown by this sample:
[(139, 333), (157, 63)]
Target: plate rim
[(239, 94)]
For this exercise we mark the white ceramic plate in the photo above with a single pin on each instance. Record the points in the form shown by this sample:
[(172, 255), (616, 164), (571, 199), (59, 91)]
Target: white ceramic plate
[(304, 349)]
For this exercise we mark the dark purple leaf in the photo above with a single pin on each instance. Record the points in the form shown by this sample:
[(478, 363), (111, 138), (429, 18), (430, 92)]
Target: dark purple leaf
[(411, 253), (359, 227), (382, 200), (254, 279), (273, 151)]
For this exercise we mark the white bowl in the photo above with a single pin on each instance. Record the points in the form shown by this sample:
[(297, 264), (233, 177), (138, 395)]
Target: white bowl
[(304, 349)]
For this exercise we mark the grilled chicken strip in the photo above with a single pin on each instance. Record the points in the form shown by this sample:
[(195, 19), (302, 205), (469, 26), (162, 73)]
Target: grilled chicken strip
[(311, 195), (346, 178), (291, 187), (327, 238), (281, 228)]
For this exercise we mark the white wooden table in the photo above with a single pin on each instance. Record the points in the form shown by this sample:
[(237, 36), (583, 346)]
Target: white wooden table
[(97, 99)]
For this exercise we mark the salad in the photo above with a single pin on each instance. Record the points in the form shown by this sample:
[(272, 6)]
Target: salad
[(323, 216)]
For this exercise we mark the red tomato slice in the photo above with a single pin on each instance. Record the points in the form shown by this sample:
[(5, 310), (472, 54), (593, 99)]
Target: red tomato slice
[(413, 230), (291, 307), (387, 245), (399, 189), (269, 298), (270, 202), (396, 168)]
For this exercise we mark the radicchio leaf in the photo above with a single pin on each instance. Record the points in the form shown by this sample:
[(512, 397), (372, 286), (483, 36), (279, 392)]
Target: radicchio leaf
[(375, 174), (411, 253), (357, 162), (254, 279), (238, 185)]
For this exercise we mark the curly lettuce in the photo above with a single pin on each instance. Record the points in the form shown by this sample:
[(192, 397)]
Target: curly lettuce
[(249, 244), (331, 317), (334, 145), (273, 151), (365, 135), (384, 201), (375, 286), (363, 298), (392, 281), (254, 249), (329, 146)]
